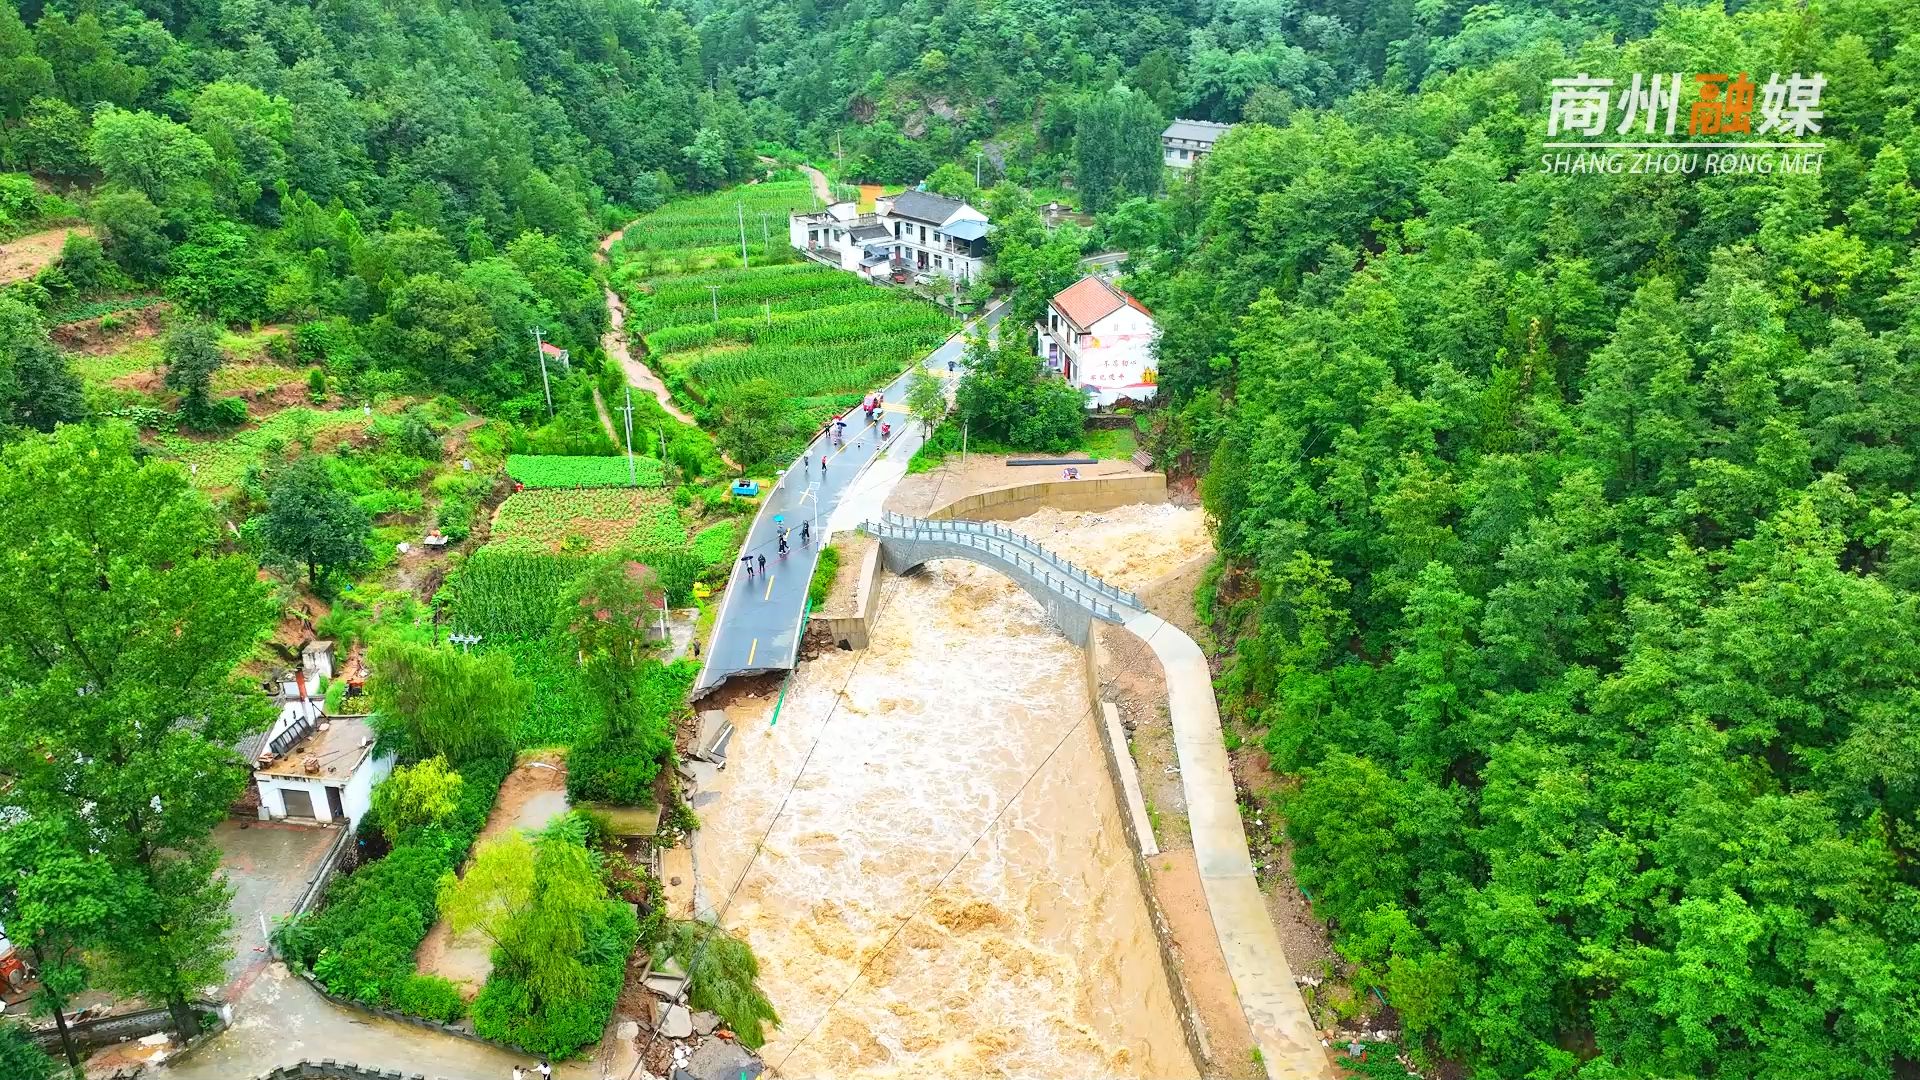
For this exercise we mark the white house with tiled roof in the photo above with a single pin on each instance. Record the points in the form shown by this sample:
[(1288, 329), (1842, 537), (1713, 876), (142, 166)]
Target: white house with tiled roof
[(915, 231), (1099, 339), (1187, 141)]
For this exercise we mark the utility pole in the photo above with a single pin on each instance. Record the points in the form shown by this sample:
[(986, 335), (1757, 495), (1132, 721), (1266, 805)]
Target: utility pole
[(741, 210), (546, 387), (963, 443), (976, 169), (714, 291), (629, 411)]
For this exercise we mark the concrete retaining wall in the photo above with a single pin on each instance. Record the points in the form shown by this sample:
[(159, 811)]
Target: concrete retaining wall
[(1019, 500), (329, 1069), (1139, 830), (1262, 979), (850, 631)]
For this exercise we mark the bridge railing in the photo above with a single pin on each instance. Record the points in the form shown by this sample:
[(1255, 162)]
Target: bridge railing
[(1055, 573), (950, 527)]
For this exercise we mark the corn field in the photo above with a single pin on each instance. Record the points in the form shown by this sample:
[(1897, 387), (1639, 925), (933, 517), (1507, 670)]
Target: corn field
[(502, 593), (714, 220)]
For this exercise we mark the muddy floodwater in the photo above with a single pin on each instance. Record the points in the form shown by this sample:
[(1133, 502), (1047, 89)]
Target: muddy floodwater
[(955, 776)]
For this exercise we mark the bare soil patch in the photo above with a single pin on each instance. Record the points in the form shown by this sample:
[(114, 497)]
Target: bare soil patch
[(919, 493), (22, 258), (534, 793), (91, 337)]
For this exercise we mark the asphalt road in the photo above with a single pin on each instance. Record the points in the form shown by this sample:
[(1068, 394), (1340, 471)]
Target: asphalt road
[(758, 628)]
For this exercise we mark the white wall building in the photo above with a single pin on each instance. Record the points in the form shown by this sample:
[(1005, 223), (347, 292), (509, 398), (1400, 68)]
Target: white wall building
[(1187, 141), (914, 231), (319, 770), (1099, 339), (309, 767)]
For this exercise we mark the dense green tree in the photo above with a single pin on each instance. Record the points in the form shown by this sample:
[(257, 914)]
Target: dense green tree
[(37, 388), (56, 897), (150, 154), (754, 422), (311, 523), (423, 793), (1116, 148), (192, 354), (436, 701), (103, 718)]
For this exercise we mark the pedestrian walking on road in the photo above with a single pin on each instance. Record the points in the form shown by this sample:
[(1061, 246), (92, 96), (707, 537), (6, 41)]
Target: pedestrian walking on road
[(546, 1070), (763, 564), (748, 559), (823, 468), (519, 1073)]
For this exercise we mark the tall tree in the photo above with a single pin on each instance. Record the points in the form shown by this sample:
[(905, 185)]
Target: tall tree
[(310, 522), (56, 897), (438, 701), (192, 354), (1116, 147), (122, 621)]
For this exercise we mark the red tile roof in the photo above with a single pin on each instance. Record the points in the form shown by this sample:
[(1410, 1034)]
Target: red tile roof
[(1091, 299)]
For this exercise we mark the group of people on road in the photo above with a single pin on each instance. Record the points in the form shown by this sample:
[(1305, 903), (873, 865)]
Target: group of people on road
[(757, 564), (543, 1070)]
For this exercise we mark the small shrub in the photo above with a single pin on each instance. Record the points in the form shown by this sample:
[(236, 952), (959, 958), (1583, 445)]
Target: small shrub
[(823, 574), (611, 770), (432, 997)]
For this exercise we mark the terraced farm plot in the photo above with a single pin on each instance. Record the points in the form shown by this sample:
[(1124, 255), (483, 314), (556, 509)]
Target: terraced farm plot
[(218, 463), (819, 333), (554, 471), (709, 221), (588, 520)]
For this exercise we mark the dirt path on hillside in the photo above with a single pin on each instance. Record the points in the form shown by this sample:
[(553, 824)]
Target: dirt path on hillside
[(606, 418), (820, 186), (22, 258), (534, 793), (638, 374)]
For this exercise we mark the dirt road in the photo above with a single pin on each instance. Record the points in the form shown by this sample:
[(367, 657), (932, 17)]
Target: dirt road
[(638, 374), (22, 258)]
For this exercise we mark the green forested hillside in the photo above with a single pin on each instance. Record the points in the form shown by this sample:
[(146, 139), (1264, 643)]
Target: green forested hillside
[(1571, 553), (417, 185), (905, 84)]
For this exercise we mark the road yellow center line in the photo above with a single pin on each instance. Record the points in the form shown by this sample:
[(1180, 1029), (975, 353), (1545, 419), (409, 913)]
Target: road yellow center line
[(769, 595), (751, 649)]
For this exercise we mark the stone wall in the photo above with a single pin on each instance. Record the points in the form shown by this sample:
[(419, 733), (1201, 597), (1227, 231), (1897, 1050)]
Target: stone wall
[(329, 1069), (1139, 830), (850, 631), (1019, 500)]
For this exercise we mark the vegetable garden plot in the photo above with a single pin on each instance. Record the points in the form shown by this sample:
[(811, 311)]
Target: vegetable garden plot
[(554, 471), (588, 519), (714, 220)]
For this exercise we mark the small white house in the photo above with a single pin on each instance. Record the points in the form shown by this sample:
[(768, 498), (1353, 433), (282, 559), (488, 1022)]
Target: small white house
[(319, 770), (1187, 141), (309, 767), (1099, 339)]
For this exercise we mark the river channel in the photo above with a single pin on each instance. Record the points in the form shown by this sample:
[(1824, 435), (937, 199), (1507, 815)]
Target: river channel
[(947, 890)]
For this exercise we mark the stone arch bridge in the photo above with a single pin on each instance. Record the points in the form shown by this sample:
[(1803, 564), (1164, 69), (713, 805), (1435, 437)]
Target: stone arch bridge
[(1072, 597)]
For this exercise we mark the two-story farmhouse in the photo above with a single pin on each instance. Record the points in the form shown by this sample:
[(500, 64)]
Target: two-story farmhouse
[(1100, 339), (1187, 141), (914, 231)]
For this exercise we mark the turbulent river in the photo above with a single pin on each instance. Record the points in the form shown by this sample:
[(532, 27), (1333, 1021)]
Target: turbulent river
[(1034, 956)]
